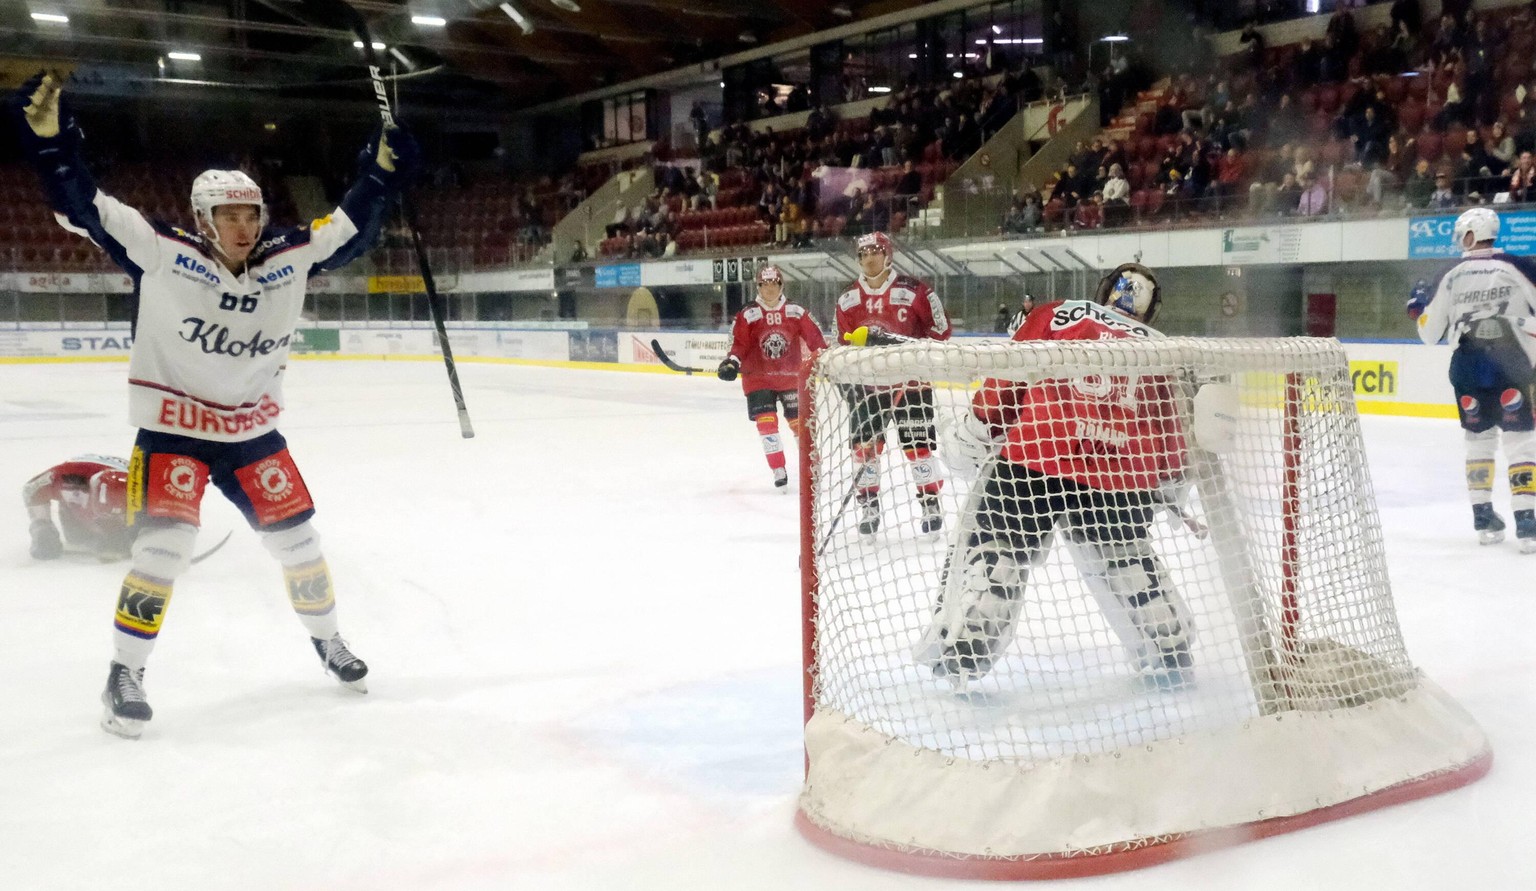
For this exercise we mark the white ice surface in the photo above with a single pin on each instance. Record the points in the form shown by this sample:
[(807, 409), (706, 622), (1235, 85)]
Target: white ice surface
[(583, 627)]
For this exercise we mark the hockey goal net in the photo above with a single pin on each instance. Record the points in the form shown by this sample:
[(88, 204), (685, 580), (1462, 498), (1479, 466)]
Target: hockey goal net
[(1068, 679)]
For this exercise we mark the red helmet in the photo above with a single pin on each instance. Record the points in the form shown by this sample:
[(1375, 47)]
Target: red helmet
[(770, 273), (109, 494), (875, 241)]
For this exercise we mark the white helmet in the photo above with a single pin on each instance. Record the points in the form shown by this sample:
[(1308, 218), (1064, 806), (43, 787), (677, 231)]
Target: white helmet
[(1479, 222), (214, 188)]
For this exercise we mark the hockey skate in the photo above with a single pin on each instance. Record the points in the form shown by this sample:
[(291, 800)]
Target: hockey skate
[(339, 661), (127, 709), (932, 519), (1488, 525), (869, 515), (781, 479), (1172, 669), (1525, 530)]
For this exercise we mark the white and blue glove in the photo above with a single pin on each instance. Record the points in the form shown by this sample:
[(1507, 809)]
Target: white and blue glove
[(965, 443)]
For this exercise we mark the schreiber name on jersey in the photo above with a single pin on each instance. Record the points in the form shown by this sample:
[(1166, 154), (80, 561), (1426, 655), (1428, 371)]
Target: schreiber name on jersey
[(1071, 312)]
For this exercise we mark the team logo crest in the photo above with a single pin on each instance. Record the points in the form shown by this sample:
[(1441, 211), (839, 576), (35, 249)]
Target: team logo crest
[(181, 479), (275, 482), (775, 345)]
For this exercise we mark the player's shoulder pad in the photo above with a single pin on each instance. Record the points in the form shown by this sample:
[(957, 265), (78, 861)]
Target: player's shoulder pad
[(908, 282), (178, 234), (793, 310), (850, 298), (1525, 265), (752, 313), (278, 240)]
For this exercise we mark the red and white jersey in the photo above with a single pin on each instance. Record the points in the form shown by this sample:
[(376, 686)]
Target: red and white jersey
[(69, 484), (767, 343), (1114, 432), (901, 305)]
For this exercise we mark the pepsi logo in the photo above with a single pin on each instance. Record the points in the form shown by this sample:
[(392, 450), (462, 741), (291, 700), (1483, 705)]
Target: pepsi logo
[(1511, 399)]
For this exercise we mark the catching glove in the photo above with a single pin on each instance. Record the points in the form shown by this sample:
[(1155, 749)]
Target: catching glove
[(728, 369), (46, 544), (966, 444), (1419, 300)]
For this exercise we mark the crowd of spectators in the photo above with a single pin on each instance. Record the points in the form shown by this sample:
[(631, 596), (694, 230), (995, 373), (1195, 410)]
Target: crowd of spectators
[(1413, 114)]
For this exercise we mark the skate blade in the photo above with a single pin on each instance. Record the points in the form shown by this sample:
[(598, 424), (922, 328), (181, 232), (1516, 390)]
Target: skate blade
[(1528, 545), (127, 728), (358, 686), (1490, 538)]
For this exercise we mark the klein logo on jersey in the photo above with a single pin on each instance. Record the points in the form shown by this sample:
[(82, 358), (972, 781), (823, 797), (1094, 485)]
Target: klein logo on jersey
[(275, 275), (192, 265), (775, 345)]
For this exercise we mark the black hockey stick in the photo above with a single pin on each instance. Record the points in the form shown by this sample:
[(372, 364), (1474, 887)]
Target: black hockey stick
[(837, 518), (436, 306), (667, 361), (211, 551)]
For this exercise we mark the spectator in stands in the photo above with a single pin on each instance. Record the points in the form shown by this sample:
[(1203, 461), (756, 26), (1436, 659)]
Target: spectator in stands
[(770, 203), (1306, 67), (706, 190), (1405, 48), (623, 223), (1476, 167), (1000, 321), (1443, 197), (1500, 146), (1252, 40), (1368, 134), (700, 123), (1314, 197), (1232, 171), (579, 252), (1522, 182), (1116, 197), (1089, 214), (1420, 185), (1287, 196), (1069, 187), (1341, 27), (1017, 221), (1407, 14)]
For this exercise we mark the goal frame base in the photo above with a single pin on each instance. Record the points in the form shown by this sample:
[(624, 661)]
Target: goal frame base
[(1067, 866)]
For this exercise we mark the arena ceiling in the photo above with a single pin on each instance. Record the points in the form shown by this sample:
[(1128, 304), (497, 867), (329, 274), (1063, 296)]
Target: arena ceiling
[(552, 49)]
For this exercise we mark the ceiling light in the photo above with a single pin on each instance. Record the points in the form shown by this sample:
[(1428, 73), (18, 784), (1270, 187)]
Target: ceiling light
[(747, 37), (567, 5), (911, 55), (431, 21), (359, 44), (517, 16), (184, 57), (842, 11), (959, 74), (1115, 38), (402, 58), (1007, 40), (51, 17), (879, 89)]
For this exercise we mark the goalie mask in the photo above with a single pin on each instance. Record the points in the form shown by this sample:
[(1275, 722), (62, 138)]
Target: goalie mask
[(216, 188), (1132, 290)]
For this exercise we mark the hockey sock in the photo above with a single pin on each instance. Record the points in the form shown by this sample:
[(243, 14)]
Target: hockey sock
[(1520, 447), (866, 463), (773, 447), (313, 598), (1480, 449), (924, 472), (141, 608), (796, 426)]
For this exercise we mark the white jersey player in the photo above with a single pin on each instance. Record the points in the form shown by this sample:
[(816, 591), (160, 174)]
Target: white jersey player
[(1486, 306), (215, 316)]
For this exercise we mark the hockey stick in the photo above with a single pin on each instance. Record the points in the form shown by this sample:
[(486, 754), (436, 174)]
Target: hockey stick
[(436, 306), (210, 552), (666, 360)]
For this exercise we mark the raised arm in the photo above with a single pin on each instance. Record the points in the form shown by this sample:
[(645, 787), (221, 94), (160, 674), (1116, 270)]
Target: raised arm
[(385, 167)]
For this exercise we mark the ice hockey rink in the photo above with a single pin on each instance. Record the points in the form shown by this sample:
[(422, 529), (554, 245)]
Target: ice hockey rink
[(583, 628)]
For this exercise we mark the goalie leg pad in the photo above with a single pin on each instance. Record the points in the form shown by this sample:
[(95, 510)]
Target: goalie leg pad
[(1127, 579)]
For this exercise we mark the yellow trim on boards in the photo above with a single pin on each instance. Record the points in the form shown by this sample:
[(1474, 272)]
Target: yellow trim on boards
[(1406, 409)]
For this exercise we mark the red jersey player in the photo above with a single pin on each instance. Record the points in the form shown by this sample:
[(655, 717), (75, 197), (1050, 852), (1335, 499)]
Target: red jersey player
[(887, 302), (766, 341), (1095, 456), (91, 491)]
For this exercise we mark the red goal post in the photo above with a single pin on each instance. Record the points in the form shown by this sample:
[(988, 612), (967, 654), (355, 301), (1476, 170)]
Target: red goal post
[(1071, 753)]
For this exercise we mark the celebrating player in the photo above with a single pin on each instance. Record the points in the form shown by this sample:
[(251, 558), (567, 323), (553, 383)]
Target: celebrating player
[(91, 493), (216, 312), (1486, 305), (1093, 457), (766, 339), (886, 302)]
